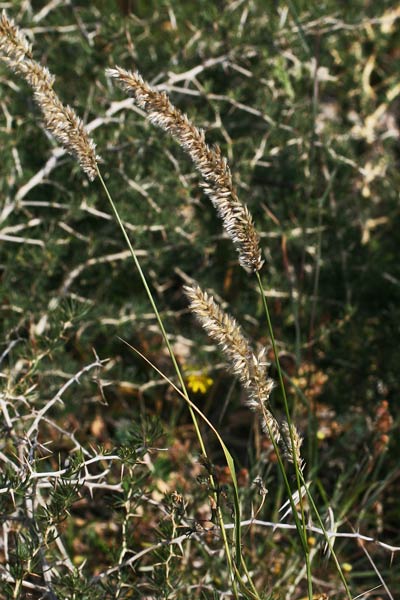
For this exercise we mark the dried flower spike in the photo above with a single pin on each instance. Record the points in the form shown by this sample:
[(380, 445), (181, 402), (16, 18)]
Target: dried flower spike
[(292, 454), (249, 367), (59, 120), (208, 160)]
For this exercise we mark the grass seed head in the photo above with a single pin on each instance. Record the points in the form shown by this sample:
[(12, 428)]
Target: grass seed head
[(59, 120), (251, 368), (213, 167)]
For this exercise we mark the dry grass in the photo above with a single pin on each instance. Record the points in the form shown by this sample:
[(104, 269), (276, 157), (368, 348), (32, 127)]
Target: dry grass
[(96, 500)]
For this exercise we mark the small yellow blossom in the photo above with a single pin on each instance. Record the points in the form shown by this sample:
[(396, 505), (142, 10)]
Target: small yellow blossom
[(347, 567), (199, 383), (312, 541)]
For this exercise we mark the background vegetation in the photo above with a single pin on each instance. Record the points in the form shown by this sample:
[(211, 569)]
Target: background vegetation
[(304, 100)]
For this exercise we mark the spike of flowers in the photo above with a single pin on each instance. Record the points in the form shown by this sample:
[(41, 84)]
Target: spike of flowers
[(249, 367), (59, 120), (291, 454), (208, 160)]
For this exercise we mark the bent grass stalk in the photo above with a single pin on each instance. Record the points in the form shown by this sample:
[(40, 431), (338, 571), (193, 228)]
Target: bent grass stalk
[(185, 395), (227, 454)]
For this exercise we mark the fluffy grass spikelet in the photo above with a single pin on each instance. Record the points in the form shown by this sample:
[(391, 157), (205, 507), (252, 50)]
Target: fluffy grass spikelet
[(291, 452), (213, 167), (251, 368), (61, 121)]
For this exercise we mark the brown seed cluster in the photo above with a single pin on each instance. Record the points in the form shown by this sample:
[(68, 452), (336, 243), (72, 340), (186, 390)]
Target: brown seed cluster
[(292, 452), (213, 167), (251, 368), (59, 120)]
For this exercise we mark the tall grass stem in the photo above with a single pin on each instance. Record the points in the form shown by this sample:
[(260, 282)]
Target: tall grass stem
[(301, 526), (239, 558)]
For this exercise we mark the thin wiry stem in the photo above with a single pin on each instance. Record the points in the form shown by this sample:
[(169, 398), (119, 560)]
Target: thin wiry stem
[(178, 372), (292, 447), (213, 167)]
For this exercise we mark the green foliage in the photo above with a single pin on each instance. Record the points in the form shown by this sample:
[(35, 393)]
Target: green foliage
[(304, 102)]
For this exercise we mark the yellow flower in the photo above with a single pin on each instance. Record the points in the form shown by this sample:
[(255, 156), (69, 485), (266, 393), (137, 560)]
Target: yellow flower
[(312, 541), (199, 383)]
